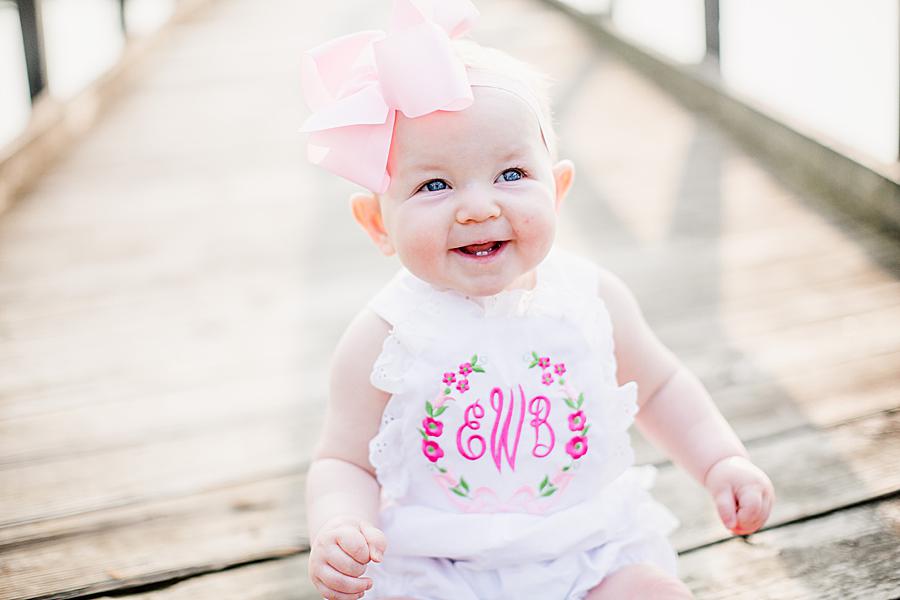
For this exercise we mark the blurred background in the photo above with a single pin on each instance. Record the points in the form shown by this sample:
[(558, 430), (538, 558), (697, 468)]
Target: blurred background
[(174, 275)]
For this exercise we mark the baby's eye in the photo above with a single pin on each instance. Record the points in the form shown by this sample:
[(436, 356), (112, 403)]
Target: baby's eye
[(435, 185), (512, 174)]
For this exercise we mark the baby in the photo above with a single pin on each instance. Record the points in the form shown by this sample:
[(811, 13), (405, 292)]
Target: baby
[(476, 442)]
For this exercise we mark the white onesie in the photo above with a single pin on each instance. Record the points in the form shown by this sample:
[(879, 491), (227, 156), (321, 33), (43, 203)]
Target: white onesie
[(503, 452)]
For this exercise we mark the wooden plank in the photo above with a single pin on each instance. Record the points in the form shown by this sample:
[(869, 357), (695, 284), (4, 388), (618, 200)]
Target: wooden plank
[(847, 555), (814, 472), (173, 467), (284, 579), (153, 542)]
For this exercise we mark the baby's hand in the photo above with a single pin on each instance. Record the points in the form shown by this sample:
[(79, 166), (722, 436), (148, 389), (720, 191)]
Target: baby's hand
[(339, 554), (742, 492)]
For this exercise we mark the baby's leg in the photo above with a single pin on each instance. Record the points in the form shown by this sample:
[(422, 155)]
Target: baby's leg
[(637, 582)]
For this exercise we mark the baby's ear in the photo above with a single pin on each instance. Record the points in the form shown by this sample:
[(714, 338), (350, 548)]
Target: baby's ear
[(563, 174), (367, 212)]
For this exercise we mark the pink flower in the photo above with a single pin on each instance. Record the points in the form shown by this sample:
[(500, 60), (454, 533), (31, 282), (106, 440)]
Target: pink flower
[(570, 391), (449, 378), (576, 447), (435, 427), (544, 362), (560, 368), (441, 400), (576, 421), (560, 478), (547, 378), (462, 385), (465, 369), (431, 450)]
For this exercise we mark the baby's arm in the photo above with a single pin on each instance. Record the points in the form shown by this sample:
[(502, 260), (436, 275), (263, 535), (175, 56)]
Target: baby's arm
[(677, 414), (342, 495)]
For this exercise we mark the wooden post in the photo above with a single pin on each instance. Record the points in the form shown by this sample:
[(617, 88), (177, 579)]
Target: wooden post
[(33, 40), (122, 21), (712, 28)]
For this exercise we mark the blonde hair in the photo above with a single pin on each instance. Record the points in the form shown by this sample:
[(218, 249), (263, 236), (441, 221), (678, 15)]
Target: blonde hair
[(494, 60)]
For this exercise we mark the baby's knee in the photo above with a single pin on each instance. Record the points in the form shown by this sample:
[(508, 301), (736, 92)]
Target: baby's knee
[(666, 587), (639, 582)]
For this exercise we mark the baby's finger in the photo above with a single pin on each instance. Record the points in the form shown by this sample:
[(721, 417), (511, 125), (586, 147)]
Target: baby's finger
[(725, 505), (352, 541), (339, 582), (750, 510), (343, 562), (376, 540), (330, 594)]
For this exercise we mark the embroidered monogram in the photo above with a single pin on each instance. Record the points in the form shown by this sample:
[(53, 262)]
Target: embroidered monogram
[(493, 430)]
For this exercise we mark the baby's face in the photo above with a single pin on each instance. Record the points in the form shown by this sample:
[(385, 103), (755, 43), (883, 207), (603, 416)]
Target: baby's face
[(472, 201)]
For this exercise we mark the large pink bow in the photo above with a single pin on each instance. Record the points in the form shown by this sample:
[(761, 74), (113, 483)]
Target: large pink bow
[(355, 84)]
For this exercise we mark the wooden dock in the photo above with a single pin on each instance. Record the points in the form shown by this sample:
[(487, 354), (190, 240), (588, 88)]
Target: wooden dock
[(170, 293)]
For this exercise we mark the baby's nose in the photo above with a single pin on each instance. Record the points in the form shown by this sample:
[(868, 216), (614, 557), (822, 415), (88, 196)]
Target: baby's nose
[(477, 206)]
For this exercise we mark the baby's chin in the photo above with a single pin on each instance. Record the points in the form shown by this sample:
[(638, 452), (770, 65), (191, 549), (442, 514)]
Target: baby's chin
[(488, 286)]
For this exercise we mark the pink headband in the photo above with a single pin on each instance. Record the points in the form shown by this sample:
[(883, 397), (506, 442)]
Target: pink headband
[(355, 84)]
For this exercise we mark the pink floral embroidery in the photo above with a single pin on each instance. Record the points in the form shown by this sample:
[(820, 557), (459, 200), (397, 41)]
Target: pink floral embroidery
[(544, 362), (560, 368), (431, 450), (441, 399), (465, 369), (547, 378), (570, 391), (433, 427), (561, 477), (576, 421), (462, 385), (577, 446), (449, 378)]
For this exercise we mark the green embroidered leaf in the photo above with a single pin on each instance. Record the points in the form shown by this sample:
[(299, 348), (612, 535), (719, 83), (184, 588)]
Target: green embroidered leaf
[(474, 359), (585, 430), (533, 364), (536, 357), (463, 484), (567, 467), (549, 492), (429, 408), (544, 483), (457, 492), (440, 411), (478, 369), (422, 432), (442, 469), (580, 399), (570, 403), (446, 391)]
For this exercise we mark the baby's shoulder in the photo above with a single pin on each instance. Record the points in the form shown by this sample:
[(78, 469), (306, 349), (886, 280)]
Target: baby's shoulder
[(360, 346)]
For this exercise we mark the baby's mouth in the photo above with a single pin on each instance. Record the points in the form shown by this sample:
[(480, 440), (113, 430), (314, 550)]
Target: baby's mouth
[(481, 249)]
